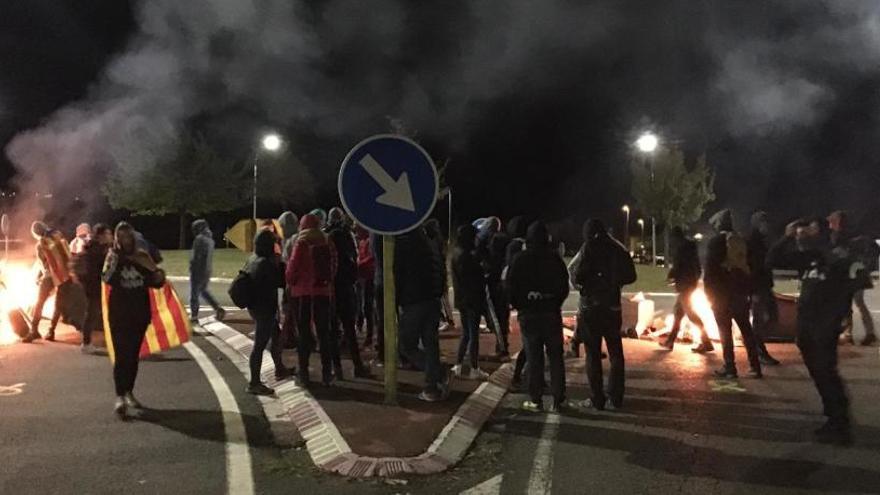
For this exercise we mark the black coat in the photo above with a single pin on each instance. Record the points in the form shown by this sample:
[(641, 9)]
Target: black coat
[(686, 270), (346, 252), (419, 268), (762, 274), (537, 281), (468, 280), (267, 275)]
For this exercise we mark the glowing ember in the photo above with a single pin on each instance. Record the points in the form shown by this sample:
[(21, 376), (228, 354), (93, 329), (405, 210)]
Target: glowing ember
[(18, 291)]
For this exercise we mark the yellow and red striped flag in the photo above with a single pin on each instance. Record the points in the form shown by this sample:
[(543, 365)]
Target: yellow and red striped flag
[(55, 255), (169, 325)]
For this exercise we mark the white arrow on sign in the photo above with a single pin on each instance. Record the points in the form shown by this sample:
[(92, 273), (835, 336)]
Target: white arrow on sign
[(397, 192)]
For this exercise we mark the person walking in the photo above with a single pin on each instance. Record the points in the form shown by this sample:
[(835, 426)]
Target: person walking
[(829, 278), (87, 267), (685, 275), (53, 258), (310, 276), (728, 285), (345, 295), (420, 276), (765, 312), (469, 285), (537, 283), (129, 271), (605, 267), (200, 264)]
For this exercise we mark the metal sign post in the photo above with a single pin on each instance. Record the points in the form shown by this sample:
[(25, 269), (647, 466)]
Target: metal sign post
[(388, 184)]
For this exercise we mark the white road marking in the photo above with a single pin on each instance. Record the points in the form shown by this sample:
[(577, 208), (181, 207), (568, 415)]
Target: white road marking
[(492, 486), (9, 390), (541, 478), (239, 469)]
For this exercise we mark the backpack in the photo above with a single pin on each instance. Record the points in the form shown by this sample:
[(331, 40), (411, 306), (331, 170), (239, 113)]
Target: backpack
[(737, 258), (241, 288), (321, 261)]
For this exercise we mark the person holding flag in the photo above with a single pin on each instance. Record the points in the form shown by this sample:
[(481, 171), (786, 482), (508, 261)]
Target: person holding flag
[(53, 258)]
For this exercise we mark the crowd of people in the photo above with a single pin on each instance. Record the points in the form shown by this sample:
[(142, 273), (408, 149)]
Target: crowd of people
[(330, 274)]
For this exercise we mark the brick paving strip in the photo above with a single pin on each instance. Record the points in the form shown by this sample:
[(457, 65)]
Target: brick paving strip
[(329, 450)]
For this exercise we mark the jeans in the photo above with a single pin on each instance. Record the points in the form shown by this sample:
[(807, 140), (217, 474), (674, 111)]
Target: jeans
[(736, 309), (199, 288), (818, 347), (266, 331), (765, 315), (419, 323), (602, 323), (683, 308), (315, 309), (543, 331), (470, 337)]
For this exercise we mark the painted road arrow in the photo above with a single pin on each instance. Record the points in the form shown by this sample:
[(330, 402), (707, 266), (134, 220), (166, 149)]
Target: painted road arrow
[(397, 192)]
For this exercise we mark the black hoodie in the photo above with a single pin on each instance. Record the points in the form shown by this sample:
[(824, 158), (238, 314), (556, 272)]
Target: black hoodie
[(467, 275), (266, 274), (597, 274), (538, 280)]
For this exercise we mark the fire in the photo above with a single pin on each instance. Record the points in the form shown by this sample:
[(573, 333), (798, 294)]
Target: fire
[(18, 291), (701, 305)]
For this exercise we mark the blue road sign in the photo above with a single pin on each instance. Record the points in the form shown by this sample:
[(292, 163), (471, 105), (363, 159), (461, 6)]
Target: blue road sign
[(388, 184)]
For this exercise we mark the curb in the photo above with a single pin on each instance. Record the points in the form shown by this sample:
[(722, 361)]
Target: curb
[(182, 278), (328, 449)]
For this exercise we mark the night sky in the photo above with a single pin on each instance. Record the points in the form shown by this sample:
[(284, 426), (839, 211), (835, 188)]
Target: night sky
[(534, 104)]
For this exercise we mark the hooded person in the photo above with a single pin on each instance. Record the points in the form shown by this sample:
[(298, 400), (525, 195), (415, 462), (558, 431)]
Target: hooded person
[(53, 258), (829, 278), (537, 284), (321, 215), (727, 281), (605, 267), (83, 234), (765, 313), (310, 277), (345, 294), (469, 287), (200, 268), (289, 223), (266, 275), (130, 272), (685, 275)]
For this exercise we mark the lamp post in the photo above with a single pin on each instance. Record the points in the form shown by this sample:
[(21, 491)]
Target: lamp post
[(641, 223), (272, 143), (647, 144), (626, 226)]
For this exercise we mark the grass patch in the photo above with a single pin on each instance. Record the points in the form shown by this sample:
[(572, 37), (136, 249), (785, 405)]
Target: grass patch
[(227, 262)]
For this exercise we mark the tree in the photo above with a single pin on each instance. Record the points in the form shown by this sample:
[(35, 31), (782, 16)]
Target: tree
[(192, 179), (677, 196)]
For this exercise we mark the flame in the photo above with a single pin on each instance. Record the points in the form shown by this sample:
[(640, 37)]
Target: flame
[(688, 331), (18, 291)]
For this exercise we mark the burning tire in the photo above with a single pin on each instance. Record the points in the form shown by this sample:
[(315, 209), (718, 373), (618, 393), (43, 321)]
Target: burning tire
[(18, 323)]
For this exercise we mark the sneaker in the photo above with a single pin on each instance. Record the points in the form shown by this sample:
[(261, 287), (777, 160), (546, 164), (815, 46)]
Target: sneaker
[(259, 389), (430, 396), (220, 314), (703, 348), (444, 327), (478, 374), (768, 360), (120, 409), (667, 344), (611, 406), (131, 402), (869, 340), (726, 372), (532, 406), (378, 363), (456, 370), (446, 386), (590, 404), (755, 373)]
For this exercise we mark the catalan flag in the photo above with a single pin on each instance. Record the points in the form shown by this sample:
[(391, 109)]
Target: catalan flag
[(55, 256), (169, 325)]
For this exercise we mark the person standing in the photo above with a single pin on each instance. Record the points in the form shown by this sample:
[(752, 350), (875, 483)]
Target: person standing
[(289, 223), (310, 275), (728, 285), (866, 249), (432, 228), (366, 269), (200, 264), (129, 272), (468, 284), (345, 295), (420, 276), (87, 267), (605, 267), (537, 283), (496, 296), (829, 277), (83, 234), (53, 258), (685, 274), (765, 313)]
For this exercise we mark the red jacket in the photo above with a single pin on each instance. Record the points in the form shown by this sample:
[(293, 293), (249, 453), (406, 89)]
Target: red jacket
[(366, 261), (303, 273)]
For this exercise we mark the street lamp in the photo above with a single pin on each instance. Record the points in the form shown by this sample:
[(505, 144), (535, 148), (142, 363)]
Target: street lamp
[(626, 226), (647, 143), (641, 223), (272, 143)]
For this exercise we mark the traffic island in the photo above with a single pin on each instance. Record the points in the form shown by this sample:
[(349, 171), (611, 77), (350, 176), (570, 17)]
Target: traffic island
[(349, 430)]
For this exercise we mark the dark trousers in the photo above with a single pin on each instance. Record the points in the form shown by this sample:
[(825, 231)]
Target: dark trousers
[(470, 337), (266, 332), (765, 316), (379, 304), (604, 324), (864, 312), (683, 308), (315, 310), (543, 332), (344, 317), (46, 288), (127, 333), (726, 312), (198, 289), (818, 347), (366, 297), (419, 323), (94, 318)]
